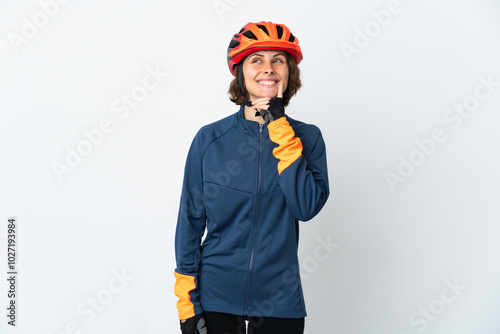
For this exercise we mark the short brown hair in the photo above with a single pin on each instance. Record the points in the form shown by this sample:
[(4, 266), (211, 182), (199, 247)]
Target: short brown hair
[(293, 86)]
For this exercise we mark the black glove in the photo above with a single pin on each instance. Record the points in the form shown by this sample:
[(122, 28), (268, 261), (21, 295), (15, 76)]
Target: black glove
[(194, 325), (276, 110)]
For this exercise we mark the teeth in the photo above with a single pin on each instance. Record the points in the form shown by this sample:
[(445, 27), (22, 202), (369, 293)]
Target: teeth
[(267, 82)]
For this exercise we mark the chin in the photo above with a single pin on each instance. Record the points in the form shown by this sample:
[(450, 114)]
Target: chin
[(265, 94), (269, 94)]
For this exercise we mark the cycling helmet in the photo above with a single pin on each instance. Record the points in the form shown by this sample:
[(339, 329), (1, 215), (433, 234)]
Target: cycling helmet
[(262, 36)]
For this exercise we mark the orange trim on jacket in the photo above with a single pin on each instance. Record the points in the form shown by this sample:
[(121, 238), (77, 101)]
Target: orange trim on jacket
[(290, 147), (183, 285)]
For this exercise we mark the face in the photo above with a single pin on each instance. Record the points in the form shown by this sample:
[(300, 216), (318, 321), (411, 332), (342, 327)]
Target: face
[(263, 71)]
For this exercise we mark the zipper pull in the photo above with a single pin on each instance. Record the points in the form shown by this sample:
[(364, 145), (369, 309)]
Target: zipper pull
[(261, 127)]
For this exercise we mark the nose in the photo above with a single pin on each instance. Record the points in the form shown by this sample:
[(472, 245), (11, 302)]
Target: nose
[(268, 68)]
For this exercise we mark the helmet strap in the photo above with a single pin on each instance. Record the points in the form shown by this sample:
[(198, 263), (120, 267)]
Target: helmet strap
[(240, 84)]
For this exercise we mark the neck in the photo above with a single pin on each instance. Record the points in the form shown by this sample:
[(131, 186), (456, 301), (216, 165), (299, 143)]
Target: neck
[(250, 115)]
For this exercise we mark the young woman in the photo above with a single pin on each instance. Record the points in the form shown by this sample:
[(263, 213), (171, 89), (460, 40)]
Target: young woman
[(249, 179)]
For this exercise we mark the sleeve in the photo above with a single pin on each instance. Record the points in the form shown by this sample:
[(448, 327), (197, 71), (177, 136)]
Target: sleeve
[(191, 224), (303, 180)]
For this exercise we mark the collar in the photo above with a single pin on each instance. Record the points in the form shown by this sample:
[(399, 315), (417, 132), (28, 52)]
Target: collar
[(250, 128)]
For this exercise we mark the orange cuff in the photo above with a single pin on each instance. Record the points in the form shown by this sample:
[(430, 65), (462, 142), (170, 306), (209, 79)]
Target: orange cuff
[(290, 147), (183, 285)]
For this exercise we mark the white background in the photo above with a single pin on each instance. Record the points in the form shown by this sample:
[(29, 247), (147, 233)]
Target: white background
[(116, 211)]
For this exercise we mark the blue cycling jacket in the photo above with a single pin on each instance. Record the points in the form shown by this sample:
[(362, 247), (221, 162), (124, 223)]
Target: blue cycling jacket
[(248, 185)]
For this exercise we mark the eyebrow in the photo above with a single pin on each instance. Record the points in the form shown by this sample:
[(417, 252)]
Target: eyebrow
[(258, 54)]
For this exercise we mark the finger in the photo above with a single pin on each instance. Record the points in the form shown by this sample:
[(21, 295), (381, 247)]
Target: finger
[(260, 107), (280, 89), (262, 99), (261, 104)]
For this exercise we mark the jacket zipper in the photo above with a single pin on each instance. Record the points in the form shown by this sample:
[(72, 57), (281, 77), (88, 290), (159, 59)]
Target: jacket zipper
[(255, 222)]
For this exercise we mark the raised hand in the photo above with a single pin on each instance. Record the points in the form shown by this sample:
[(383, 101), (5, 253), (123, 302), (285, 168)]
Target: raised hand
[(270, 108)]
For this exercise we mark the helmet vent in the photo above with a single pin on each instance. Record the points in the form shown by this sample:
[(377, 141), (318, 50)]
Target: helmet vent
[(249, 34), (263, 28), (234, 43), (280, 31), (292, 38)]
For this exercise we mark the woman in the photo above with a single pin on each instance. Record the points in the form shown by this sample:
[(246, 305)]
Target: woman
[(249, 179)]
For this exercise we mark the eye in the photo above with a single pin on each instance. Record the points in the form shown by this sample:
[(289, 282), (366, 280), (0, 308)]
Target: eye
[(279, 60), (256, 60)]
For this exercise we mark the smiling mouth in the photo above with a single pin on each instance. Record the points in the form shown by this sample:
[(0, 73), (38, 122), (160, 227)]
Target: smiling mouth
[(267, 83)]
